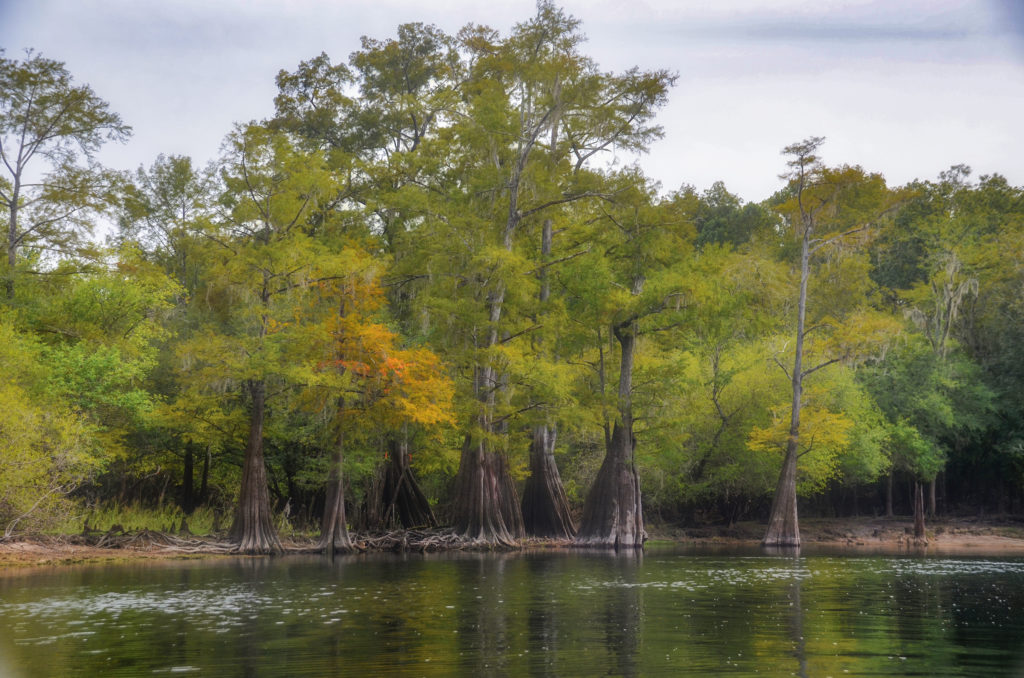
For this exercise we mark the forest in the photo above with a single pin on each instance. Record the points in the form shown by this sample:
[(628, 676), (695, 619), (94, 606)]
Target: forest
[(423, 294)]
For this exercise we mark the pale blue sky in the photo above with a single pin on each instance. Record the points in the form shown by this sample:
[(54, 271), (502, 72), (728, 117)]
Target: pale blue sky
[(906, 88)]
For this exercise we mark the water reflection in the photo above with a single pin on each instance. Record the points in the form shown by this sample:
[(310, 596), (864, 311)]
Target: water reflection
[(623, 616), (535, 613)]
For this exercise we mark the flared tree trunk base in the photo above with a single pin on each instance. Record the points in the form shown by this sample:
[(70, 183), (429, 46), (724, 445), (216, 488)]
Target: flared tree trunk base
[(612, 513), (394, 497), (403, 497), (487, 506), (334, 536), (783, 526), (545, 506), (253, 530)]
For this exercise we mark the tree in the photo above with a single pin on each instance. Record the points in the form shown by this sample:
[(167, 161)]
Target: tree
[(826, 209), (537, 115), (638, 281), (369, 383), (266, 265), (48, 125)]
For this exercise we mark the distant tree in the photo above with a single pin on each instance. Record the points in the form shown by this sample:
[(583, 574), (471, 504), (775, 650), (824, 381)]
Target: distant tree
[(48, 126)]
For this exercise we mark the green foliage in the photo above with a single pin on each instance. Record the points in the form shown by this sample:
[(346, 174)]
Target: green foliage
[(46, 451)]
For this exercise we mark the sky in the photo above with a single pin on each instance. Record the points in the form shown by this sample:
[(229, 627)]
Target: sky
[(902, 87)]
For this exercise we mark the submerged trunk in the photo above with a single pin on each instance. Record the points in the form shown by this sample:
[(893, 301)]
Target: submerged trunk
[(919, 532), (253, 528), (486, 504), (613, 513), (545, 506)]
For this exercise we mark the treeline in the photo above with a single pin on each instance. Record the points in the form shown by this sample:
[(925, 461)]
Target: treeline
[(424, 293)]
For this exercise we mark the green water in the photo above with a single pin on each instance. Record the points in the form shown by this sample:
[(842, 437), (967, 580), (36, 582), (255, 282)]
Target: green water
[(665, 613)]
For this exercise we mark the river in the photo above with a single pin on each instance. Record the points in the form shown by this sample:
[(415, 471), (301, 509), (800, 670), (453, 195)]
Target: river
[(667, 612)]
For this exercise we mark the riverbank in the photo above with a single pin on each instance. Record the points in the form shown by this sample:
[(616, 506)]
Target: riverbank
[(1003, 535), (946, 536)]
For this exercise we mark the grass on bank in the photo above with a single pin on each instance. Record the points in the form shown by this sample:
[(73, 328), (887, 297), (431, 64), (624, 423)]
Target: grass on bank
[(202, 522)]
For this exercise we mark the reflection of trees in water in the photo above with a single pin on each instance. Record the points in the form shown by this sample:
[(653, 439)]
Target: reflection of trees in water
[(622, 615), (542, 622), (796, 624), (795, 618), (482, 624)]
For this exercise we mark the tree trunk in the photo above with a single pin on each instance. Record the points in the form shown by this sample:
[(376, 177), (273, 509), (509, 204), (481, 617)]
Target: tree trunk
[(919, 532), (205, 479), (401, 495), (783, 526), (931, 499), (253, 528), (333, 530), (486, 502), (545, 506), (12, 237), (888, 494), (188, 500), (612, 512)]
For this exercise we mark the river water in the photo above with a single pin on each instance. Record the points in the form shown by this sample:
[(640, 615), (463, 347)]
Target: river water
[(667, 612)]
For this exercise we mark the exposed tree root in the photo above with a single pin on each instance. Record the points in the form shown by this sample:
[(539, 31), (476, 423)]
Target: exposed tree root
[(400, 541)]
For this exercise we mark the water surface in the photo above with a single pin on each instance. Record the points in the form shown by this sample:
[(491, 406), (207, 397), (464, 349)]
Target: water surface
[(664, 613)]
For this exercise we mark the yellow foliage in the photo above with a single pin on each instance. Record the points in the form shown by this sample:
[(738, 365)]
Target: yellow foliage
[(824, 437)]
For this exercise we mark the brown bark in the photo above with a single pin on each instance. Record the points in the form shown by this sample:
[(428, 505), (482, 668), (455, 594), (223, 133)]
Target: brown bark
[(486, 502), (188, 482), (888, 494), (783, 525), (613, 512), (333, 530), (545, 506), (401, 496), (919, 532), (253, 528), (931, 499)]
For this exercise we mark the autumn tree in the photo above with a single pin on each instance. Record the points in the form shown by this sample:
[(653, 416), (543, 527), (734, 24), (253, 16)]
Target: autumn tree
[(369, 382)]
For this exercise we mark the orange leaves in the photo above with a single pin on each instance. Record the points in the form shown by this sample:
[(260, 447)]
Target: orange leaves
[(387, 384)]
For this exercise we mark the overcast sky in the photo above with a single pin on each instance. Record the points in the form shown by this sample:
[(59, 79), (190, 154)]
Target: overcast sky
[(903, 87)]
